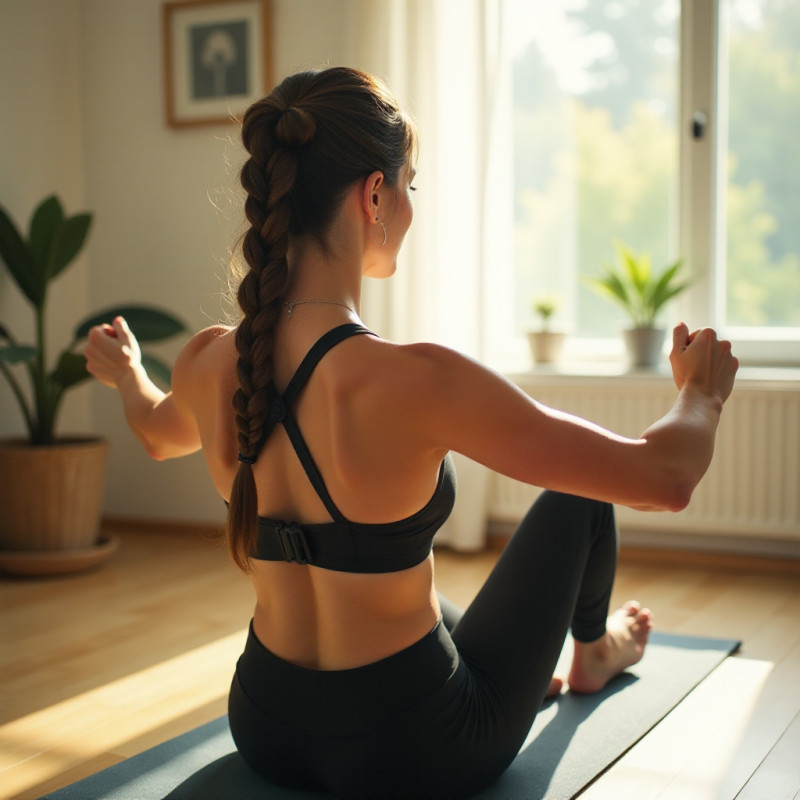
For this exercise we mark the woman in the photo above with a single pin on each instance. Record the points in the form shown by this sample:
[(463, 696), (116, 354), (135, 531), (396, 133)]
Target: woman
[(331, 446)]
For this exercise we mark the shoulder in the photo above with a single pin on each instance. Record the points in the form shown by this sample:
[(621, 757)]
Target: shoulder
[(383, 364), (432, 366), (420, 357), (206, 338), (418, 382), (203, 343), (204, 352), (450, 398)]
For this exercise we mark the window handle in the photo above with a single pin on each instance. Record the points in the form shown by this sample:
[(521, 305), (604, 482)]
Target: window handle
[(699, 124)]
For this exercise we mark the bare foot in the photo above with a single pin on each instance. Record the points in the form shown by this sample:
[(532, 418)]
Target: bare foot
[(595, 663)]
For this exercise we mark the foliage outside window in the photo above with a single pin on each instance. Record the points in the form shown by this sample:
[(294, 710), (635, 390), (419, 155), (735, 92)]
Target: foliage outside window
[(760, 41), (596, 154)]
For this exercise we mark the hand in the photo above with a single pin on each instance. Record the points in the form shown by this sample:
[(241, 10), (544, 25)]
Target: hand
[(701, 359), (112, 352)]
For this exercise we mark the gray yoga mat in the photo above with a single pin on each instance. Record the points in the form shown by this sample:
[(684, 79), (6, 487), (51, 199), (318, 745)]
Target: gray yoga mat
[(574, 739)]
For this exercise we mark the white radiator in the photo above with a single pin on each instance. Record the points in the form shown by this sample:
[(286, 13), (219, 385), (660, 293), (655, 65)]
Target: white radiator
[(752, 488)]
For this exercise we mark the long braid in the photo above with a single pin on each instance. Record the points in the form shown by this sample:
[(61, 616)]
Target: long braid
[(265, 246), (309, 140)]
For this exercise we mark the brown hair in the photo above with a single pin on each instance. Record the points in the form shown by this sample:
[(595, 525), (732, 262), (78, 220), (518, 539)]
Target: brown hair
[(309, 140)]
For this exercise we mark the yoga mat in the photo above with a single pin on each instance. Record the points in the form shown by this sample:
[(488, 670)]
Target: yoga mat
[(574, 739)]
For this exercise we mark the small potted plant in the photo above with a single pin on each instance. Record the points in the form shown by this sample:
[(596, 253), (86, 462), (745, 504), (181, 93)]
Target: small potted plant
[(52, 486), (545, 344), (642, 292)]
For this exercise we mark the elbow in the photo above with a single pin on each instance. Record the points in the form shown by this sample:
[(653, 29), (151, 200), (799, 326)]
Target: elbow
[(672, 483), (155, 450), (667, 494), (156, 453), (163, 450), (676, 494)]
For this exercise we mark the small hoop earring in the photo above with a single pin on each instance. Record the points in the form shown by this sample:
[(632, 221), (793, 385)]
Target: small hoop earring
[(384, 232)]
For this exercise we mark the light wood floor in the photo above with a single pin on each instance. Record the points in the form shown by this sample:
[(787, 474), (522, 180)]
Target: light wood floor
[(97, 667)]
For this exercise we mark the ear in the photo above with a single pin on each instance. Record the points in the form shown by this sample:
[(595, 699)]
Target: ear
[(371, 198)]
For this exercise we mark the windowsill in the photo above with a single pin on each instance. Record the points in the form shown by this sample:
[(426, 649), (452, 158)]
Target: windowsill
[(570, 371), (605, 358)]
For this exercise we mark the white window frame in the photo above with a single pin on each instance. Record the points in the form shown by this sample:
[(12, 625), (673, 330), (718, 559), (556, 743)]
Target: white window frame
[(702, 187)]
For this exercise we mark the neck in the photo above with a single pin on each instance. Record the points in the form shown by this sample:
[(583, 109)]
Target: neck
[(314, 276)]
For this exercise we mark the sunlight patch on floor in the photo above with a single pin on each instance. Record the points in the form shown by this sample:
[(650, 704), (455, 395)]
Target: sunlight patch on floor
[(88, 724), (695, 752)]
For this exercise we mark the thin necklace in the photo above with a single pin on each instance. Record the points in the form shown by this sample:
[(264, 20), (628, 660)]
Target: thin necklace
[(290, 305)]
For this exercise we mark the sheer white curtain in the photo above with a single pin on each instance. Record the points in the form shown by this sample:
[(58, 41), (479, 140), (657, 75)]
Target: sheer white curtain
[(443, 59)]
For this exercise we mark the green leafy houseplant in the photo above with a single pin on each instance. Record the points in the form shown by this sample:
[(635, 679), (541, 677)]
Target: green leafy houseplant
[(53, 241), (544, 306), (642, 293), (633, 284)]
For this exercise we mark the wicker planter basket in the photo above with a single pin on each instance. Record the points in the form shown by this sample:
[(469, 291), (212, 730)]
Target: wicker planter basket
[(51, 497)]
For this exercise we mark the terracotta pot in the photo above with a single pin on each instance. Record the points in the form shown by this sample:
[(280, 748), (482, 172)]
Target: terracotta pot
[(51, 496), (644, 346), (546, 346)]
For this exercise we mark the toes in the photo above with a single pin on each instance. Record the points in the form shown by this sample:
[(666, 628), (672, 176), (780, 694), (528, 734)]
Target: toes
[(643, 616), (556, 684), (641, 627), (645, 619)]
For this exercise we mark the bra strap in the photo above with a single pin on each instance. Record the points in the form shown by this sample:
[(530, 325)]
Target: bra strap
[(310, 467), (278, 406), (315, 354), (279, 409)]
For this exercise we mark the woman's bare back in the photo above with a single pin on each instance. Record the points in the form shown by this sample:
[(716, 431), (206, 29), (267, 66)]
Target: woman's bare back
[(313, 617)]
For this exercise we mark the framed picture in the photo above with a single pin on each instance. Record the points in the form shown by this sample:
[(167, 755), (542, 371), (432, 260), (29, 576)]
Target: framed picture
[(216, 59)]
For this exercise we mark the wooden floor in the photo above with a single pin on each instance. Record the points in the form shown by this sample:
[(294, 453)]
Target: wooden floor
[(97, 667)]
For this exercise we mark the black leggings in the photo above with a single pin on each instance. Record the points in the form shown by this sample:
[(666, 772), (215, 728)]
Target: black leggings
[(446, 716)]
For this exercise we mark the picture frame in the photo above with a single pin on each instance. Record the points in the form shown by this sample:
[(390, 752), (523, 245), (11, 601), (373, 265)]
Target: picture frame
[(216, 59)]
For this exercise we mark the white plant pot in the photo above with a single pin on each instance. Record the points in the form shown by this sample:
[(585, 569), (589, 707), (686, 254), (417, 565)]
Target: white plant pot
[(546, 346), (644, 346)]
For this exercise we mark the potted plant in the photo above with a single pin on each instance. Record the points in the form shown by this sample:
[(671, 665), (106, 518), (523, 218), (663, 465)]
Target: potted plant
[(52, 486), (642, 292), (545, 344)]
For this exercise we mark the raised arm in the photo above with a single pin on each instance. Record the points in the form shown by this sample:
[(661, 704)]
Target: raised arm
[(478, 413), (162, 422)]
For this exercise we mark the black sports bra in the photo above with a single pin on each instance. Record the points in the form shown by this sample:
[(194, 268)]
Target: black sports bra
[(341, 544)]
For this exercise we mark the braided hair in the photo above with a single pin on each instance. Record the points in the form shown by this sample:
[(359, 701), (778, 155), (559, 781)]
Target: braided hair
[(308, 141)]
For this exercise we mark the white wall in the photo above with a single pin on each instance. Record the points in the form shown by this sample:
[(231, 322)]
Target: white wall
[(41, 152), (82, 112)]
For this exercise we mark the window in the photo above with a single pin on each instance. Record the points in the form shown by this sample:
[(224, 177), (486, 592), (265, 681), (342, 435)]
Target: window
[(758, 283), (604, 96)]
